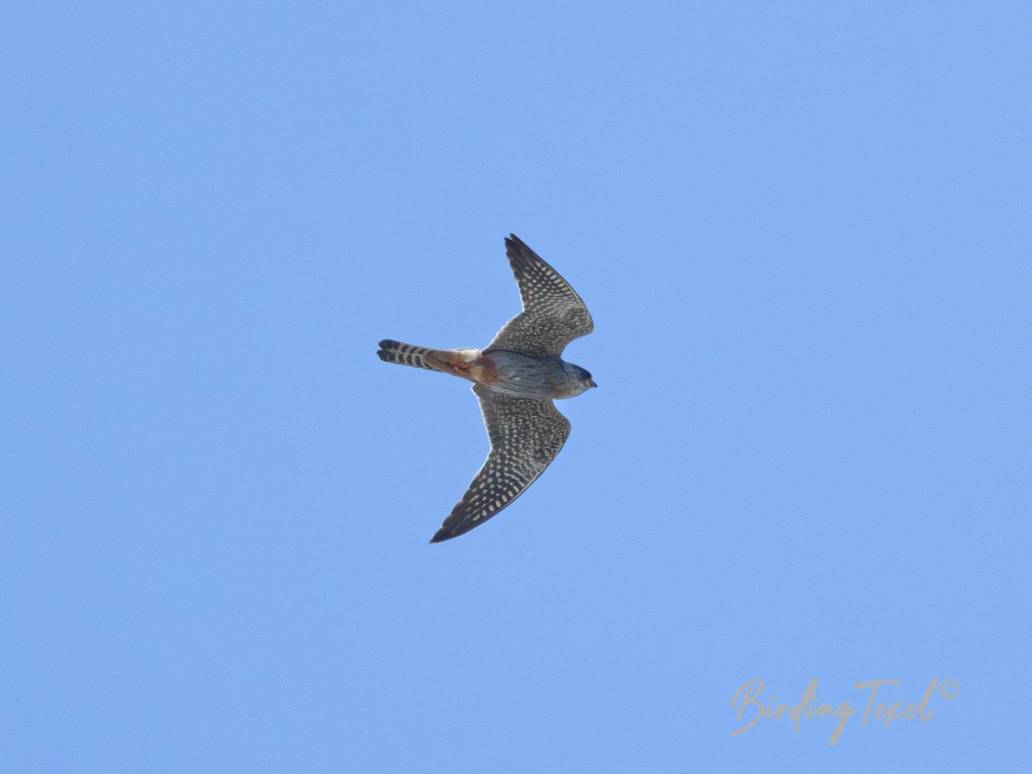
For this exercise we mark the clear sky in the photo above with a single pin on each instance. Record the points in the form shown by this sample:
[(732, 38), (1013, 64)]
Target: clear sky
[(804, 232)]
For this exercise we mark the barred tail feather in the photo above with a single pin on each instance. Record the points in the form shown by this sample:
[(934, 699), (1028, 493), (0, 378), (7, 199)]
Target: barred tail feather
[(407, 354)]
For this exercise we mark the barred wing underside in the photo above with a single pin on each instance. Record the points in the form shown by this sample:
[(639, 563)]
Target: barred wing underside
[(553, 314), (525, 435)]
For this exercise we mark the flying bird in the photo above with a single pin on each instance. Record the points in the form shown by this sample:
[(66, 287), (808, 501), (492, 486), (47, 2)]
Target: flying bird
[(515, 378)]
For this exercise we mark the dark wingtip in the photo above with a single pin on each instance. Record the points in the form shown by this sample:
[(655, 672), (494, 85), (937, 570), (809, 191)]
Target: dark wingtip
[(441, 535), (517, 251)]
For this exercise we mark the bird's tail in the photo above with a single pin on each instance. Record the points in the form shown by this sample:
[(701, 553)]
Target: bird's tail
[(408, 354)]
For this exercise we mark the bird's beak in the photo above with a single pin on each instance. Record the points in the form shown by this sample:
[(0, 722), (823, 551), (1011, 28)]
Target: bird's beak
[(591, 383)]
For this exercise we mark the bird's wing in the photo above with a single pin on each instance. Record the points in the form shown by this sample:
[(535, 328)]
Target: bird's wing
[(553, 314), (525, 435)]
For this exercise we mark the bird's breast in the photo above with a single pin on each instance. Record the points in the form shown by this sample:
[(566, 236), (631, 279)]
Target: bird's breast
[(515, 373)]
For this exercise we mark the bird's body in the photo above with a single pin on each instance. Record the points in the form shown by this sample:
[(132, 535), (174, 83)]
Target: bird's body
[(536, 377), (515, 378)]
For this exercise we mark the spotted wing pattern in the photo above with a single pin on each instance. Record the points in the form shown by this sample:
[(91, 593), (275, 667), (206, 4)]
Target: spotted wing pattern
[(553, 314), (525, 435)]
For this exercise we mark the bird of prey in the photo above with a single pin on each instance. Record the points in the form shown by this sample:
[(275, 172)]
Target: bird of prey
[(515, 378)]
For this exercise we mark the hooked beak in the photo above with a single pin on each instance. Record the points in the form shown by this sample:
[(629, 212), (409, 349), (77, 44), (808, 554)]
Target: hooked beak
[(591, 383)]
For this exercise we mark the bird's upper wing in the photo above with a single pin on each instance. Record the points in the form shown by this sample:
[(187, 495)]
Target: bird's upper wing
[(525, 435), (553, 314)]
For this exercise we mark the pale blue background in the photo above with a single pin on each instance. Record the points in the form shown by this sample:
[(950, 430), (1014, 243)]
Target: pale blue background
[(804, 232)]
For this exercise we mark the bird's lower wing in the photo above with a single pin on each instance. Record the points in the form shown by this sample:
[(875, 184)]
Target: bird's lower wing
[(525, 435)]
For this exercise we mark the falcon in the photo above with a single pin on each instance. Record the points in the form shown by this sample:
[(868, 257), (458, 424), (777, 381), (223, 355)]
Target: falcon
[(516, 378)]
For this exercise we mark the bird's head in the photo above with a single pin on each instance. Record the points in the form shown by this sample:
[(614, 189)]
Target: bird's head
[(580, 377)]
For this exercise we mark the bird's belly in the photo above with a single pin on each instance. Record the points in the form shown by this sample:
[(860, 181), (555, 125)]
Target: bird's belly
[(523, 376)]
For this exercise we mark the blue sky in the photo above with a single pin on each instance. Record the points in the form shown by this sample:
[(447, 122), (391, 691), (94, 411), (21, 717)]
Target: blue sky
[(803, 231)]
